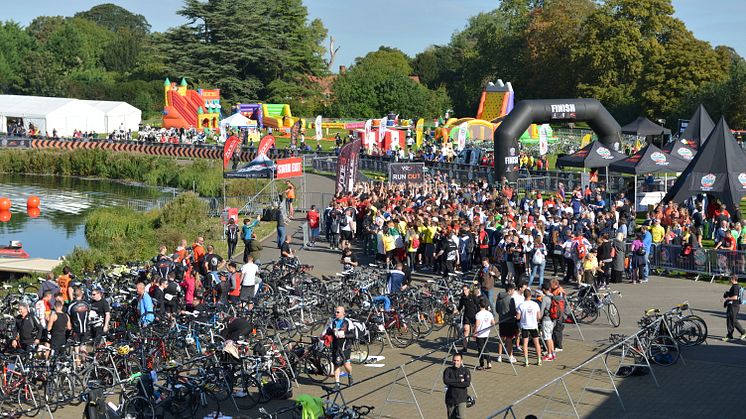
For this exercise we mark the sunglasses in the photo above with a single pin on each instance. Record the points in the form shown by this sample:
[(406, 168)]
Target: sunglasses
[(338, 312)]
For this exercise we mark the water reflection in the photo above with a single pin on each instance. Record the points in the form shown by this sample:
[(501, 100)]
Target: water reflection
[(65, 202)]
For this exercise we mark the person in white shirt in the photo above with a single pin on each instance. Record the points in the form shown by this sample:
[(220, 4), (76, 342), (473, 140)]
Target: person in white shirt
[(248, 280), (347, 229), (529, 314), (485, 321)]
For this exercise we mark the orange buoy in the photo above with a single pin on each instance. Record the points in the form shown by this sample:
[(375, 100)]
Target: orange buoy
[(34, 212), (5, 216), (4, 204), (33, 201)]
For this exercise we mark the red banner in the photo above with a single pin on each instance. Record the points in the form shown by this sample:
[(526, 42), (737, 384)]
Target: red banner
[(265, 144), (292, 167), (229, 149)]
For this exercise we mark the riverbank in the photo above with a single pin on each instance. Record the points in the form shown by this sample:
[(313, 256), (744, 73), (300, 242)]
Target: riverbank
[(204, 177)]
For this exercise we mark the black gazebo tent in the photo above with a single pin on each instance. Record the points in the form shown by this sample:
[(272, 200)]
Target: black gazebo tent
[(700, 126), (649, 159), (718, 169), (593, 155), (680, 150), (644, 127)]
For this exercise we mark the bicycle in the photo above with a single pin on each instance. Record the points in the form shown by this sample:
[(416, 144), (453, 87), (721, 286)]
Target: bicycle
[(587, 303)]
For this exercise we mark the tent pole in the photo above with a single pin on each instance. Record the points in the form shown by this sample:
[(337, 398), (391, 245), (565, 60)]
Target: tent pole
[(665, 182), (634, 203)]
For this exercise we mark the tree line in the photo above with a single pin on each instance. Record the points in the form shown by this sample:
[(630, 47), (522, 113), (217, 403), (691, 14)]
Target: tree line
[(633, 55)]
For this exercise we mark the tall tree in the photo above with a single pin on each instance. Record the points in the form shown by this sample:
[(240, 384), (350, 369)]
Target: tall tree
[(116, 18), (242, 46)]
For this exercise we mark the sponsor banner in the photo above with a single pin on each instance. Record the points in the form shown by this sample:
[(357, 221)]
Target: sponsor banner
[(229, 148), (512, 163), (368, 141), (317, 125), (407, 173), (10, 142), (355, 125), (659, 158), (347, 166), (286, 168), (265, 144), (419, 131)]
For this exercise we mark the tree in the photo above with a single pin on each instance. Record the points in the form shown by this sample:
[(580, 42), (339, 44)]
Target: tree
[(15, 45), (379, 83), (242, 46), (116, 18)]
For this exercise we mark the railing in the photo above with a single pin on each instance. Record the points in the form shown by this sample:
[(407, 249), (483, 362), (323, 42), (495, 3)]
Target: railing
[(711, 263)]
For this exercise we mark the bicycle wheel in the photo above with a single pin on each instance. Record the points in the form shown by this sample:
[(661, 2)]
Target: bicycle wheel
[(376, 343), (664, 351), (205, 400), (686, 332), (401, 336), (318, 368), (590, 312), (27, 401), (359, 351), (612, 313), (246, 391), (453, 334), (421, 323), (702, 327), (138, 408), (273, 384)]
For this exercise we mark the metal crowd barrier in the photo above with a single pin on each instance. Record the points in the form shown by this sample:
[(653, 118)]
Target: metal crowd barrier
[(711, 263)]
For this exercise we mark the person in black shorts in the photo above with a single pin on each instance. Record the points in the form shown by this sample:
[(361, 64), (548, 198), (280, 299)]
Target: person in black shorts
[(467, 305), (79, 312), (99, 305), (340, 329)]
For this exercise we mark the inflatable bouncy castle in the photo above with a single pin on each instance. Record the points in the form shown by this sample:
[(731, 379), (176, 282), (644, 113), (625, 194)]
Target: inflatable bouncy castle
[(186, 108)]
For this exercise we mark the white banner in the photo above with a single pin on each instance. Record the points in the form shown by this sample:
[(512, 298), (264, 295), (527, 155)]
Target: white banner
[(382, 129), (543, 142), (319, 132), (368, 142), (461, 139)]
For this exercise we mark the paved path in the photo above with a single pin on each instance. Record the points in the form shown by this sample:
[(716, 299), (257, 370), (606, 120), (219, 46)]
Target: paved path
[(708, 385)]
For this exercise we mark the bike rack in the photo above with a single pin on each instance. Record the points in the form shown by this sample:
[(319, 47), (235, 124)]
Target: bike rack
[(611, 379), (501, 343), (401, 375), (569, 400), (438, 378)]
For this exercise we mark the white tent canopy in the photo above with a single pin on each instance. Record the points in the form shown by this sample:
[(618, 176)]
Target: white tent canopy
[(65, 115), (117, 115), (235, 121)]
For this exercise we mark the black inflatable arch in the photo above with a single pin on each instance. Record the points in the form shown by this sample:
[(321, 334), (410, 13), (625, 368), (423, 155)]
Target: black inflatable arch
[(543, 111)]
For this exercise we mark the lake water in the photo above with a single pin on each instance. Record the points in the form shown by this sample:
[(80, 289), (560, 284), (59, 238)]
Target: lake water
[(65, 202)]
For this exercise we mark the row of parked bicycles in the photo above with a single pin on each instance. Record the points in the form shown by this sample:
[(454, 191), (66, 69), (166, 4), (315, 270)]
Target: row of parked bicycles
[(178, 366)]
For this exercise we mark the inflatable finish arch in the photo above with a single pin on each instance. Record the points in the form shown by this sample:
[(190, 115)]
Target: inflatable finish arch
[(543, 111)]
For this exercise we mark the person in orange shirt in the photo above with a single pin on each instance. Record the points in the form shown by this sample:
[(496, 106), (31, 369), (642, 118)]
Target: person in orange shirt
[(290, 197), (198, 254), (64, 283), (181, 251)]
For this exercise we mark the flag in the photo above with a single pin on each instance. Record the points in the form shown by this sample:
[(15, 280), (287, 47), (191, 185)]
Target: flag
[(229, 148), (418, 131), (265, 144), (317, 125), (543, 142), (461, 139), (367, 130), (295, 132), (382, 129), (347, 166)]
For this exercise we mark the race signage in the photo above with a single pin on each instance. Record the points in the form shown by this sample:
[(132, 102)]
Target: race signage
[(286, 168), (406, 172), (563, 111)]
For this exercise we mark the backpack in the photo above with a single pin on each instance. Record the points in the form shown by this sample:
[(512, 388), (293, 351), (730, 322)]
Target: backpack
[(163, 266), (343, 221), (580, 249), (557, 308), (232, 233), (640, 251), (742, 295)]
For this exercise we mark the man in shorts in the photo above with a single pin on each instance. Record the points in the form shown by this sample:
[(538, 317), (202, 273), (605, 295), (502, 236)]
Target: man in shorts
[(529, 313), (547, 324), (508, 326), (340, 329)]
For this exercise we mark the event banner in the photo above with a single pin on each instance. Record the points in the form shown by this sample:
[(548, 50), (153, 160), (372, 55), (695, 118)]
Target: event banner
[(418, 131), (347, 166), (462, 132), (407, 173), (543, 140), (367, 128), (317, 125), (286, 168), (229, 149), (265, 144), (295, 132)]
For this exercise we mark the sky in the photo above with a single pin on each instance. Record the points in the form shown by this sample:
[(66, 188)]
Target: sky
[(361, 26)]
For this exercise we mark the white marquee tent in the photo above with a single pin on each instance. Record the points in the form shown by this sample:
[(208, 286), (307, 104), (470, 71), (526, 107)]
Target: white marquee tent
[(117, 114), (66, 115)]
